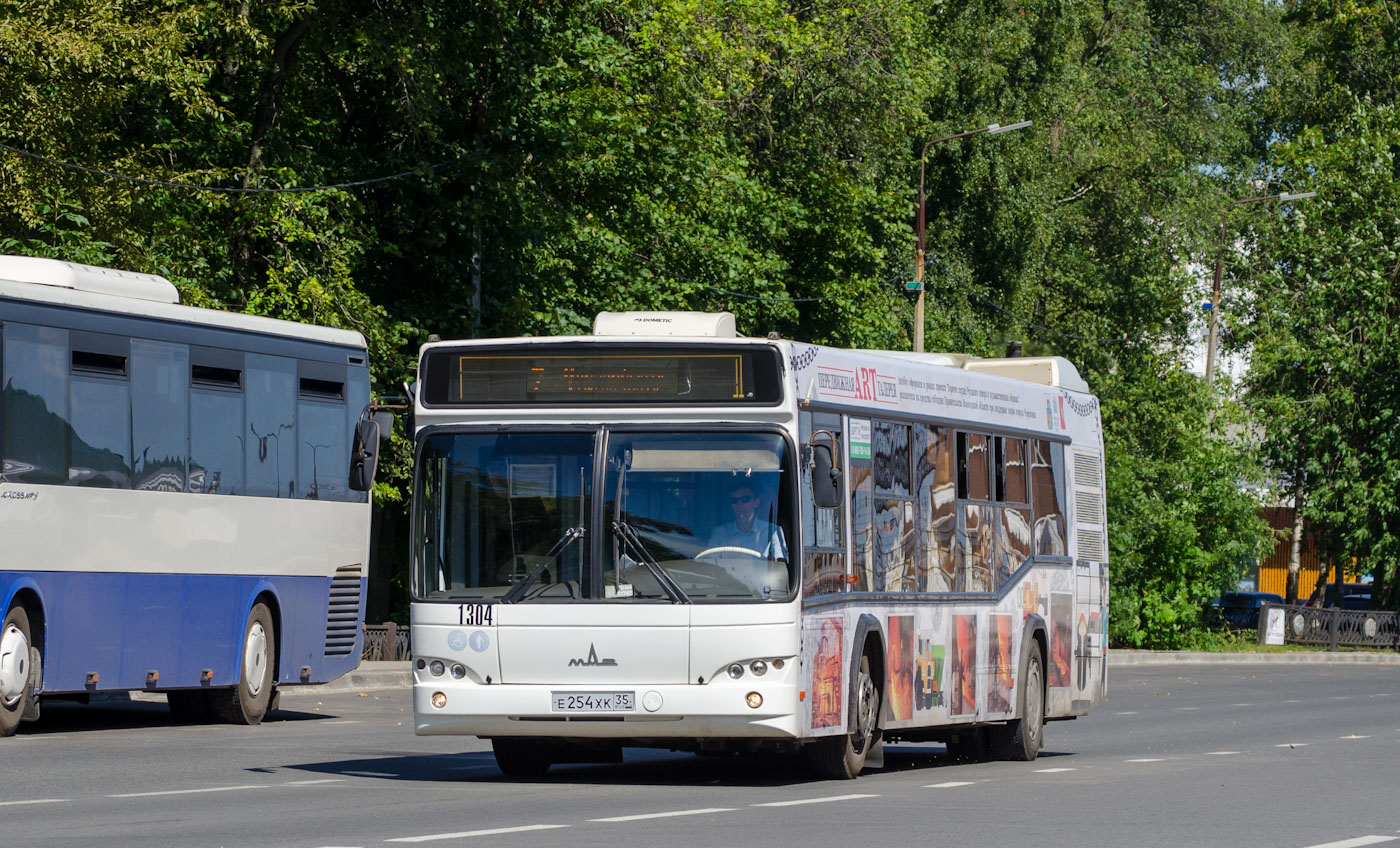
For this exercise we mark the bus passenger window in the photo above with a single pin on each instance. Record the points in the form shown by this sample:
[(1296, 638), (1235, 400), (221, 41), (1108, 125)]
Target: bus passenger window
[(974, 466), (979, 567), (36, 404), (1049, 533), (100, 415), (160, 414), (934, 478)]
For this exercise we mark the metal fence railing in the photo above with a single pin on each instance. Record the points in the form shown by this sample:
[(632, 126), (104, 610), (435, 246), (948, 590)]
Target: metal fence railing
[(1334, 627), (386, 642)]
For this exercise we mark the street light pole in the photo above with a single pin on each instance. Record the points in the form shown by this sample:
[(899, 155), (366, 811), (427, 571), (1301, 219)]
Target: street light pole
[(1213, 336), (991, 129)]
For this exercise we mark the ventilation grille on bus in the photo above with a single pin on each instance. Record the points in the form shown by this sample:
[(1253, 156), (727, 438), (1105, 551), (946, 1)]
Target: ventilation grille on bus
[(1090, 533), (343, 612)]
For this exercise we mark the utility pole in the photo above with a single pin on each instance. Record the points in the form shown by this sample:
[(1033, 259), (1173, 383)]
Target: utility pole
[(918, 284)]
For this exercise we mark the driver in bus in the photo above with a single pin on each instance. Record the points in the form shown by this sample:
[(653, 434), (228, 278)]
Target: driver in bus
[(747, 531)]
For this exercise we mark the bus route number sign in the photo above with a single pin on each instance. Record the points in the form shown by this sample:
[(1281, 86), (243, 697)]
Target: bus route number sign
[(478, 615)]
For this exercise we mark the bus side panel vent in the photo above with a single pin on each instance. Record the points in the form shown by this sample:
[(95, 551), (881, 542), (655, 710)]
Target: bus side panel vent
[(343, 612)]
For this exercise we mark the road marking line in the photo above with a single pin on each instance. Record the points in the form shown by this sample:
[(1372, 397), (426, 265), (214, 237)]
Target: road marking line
[(949, 785), (1241, 705), (1148, 760), (329, 723), (1292, 745), (314, 782), (1353, 736), (492, 832), (1220, 753), (1132, 712), (1052, 770), (1357, 842), (1187, 709), (813, 800), (369, 774), (35, 801), (667, 815), (187, 791)]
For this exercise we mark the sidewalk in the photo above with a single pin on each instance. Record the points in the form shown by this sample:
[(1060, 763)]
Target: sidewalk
[(371, 676)]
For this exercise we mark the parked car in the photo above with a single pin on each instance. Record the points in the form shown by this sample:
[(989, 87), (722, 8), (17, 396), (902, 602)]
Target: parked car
[(1354, 596), (1241, 609)]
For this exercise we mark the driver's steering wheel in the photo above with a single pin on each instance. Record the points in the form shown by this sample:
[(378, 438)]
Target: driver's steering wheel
[(729, 549)]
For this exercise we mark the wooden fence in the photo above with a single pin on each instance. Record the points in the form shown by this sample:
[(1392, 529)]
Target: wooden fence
[(1334, 627), (386, 642)]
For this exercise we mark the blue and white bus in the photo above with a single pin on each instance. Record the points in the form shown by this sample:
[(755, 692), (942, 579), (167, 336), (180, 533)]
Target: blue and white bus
[(180, 510), (669, 535)]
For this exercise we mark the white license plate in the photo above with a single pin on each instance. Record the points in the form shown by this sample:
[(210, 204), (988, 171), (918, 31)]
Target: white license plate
[(593, 702)]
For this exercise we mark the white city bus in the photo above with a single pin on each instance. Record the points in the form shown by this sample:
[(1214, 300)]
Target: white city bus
[(180, 511), (667, 535)]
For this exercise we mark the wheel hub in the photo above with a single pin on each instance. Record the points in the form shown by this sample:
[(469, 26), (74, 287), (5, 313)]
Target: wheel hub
[(255, 659), (14, 665)]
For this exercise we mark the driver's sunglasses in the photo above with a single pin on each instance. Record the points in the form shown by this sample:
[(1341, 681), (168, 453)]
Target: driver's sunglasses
[(738, 499)]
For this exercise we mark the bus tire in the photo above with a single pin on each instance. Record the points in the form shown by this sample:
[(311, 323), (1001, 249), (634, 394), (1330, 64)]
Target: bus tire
[(1020, 740), (843, 757), (16, 673), (522, 757), (247, 702), (189, 706)]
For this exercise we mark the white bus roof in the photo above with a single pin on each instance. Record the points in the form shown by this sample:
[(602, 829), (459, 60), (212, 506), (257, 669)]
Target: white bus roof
[(1054, 371), (144, 295)]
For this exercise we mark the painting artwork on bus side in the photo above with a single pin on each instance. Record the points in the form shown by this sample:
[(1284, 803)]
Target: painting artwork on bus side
[(901, 667), (827, 691), (964, 683), (929, 690), (1001, 659), (1061, 638)]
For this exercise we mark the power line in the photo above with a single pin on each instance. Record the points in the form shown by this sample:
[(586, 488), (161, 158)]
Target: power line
[(219, 189)]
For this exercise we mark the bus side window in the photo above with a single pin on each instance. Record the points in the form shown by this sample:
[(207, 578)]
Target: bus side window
[(936, 490), (99, 398), (35, 378), (1049, 532), (160, 414), (218, 430), (270, 431)]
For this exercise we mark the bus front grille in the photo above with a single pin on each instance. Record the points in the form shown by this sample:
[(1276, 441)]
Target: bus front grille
[(343, 612)]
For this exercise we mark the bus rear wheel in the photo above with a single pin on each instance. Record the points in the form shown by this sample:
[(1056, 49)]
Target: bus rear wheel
[(522, 757), (247, 702), (15, 673), (1020, 739), (843, 757)]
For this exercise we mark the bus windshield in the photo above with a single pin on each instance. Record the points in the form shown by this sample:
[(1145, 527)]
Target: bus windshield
[(684, 517)]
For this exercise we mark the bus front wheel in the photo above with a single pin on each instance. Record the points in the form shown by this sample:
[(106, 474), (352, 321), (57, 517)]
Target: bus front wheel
[(247, 702), (15, 678), (843, 757)]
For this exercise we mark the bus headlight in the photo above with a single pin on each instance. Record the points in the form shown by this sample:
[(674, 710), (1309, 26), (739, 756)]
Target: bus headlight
[(736, 671), (439, 700), (758, 667), (437, 668), (754, 700), (458, 671)]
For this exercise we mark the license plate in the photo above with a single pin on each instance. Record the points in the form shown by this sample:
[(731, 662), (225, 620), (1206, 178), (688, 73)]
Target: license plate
[(593, 702)]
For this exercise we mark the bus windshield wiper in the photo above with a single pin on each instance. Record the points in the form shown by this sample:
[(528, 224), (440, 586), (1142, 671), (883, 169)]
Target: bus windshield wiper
[(517, 592), (630, 539)]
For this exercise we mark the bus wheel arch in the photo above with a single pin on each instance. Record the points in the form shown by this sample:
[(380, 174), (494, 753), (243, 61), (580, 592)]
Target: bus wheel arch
[(21, 652), (247, 701), (844, 756)]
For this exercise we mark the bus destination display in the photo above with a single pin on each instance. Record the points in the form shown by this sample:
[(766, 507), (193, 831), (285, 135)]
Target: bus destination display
[(591, 375)]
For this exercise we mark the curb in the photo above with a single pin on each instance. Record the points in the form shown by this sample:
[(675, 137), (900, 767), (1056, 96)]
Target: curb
[(1123, 658)]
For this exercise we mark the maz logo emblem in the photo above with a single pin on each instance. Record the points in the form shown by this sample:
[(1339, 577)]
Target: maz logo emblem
[(592, 659)]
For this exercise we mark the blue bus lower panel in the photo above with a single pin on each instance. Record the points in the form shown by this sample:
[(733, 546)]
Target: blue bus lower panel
[(122, 626)]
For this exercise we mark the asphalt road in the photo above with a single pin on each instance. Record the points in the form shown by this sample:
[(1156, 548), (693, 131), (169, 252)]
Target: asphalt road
[(1274, 756)]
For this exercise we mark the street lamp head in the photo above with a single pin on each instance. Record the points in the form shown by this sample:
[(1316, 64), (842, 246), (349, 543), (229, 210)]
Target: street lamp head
[(998, 128), (1300, 196)]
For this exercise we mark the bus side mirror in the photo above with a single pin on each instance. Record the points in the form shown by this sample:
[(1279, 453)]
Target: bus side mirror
[(364, 453), (826, 477)]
